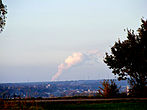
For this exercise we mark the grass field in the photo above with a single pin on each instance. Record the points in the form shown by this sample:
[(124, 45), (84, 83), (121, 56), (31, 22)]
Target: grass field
[(74, 105), (100, 106)]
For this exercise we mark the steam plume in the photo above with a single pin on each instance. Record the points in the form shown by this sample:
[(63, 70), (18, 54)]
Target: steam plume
[(69, 61), (90, 57)]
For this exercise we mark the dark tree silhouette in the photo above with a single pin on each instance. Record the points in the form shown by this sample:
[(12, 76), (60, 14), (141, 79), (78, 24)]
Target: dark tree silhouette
[(3, 12), (128, 59)]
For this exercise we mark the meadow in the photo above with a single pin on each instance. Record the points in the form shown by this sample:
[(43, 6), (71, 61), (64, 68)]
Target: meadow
[(72, 104)]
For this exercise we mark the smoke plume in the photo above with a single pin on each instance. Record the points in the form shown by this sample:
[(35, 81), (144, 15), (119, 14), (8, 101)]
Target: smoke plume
[(90, 57), (69, 61)]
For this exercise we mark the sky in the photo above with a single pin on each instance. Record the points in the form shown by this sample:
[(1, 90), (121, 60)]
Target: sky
[(43, 38)]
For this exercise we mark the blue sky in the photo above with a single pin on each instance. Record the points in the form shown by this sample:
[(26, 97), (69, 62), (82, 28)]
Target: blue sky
[(39, 35)]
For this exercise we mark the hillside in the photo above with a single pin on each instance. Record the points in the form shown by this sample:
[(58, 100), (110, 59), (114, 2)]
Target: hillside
[(53, 89)]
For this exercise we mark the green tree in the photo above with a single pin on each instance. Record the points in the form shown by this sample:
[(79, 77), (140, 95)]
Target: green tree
[(3, 12), (109, 89), (128, 59)]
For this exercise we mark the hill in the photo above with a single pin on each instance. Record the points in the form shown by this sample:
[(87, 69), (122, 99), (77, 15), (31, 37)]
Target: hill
[(53, 89)]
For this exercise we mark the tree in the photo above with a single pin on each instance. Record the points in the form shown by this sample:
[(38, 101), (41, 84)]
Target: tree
[(3, 12), (109, 89), (128, 59)]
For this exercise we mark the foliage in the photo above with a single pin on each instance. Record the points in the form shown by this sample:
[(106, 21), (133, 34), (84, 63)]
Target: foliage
[(3, 12), (109, 89), (138, 91), (128, 58)]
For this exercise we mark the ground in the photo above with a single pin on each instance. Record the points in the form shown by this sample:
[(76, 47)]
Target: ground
[(75, 104)]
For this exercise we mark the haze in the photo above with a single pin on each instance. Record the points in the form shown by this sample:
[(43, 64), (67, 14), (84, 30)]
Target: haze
[(40, 34)]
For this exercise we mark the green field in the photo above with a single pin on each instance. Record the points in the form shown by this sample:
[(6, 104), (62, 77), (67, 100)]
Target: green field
[(101, 106), (78, 105)]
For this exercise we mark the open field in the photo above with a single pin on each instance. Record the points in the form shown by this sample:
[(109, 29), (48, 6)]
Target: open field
[(76, 104)]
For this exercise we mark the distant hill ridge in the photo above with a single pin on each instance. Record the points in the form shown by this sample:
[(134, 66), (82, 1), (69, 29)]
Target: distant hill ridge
[(53, 89)]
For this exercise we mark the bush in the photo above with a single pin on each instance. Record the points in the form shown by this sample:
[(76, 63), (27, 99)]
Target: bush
[(109, 89)]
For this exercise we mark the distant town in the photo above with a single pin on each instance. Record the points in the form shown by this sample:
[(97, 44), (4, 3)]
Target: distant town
[(54, 89)]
